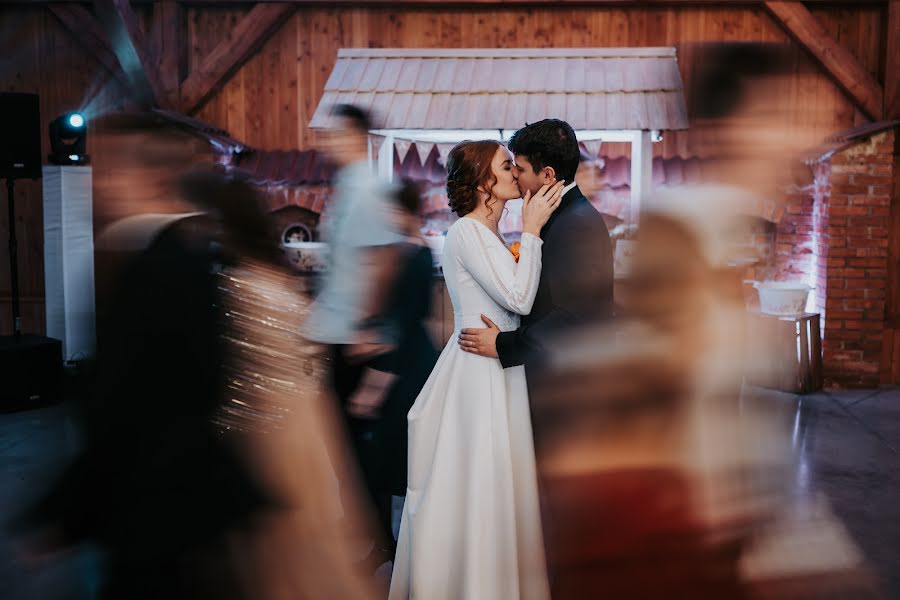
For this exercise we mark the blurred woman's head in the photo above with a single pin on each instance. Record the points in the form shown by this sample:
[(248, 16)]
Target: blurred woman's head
[(238, 208), (408, 201)]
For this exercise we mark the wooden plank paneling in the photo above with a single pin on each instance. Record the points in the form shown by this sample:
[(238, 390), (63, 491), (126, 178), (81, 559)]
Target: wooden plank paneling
[(45, 58), (242, 42)]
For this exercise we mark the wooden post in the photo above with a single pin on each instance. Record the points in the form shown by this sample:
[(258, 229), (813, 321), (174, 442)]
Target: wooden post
[(641, 172), (386, 158)]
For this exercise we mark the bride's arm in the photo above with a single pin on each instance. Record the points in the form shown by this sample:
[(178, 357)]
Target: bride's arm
[(512, 285)]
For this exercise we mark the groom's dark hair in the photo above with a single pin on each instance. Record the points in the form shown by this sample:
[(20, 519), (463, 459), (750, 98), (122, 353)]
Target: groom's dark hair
[(549, 143)]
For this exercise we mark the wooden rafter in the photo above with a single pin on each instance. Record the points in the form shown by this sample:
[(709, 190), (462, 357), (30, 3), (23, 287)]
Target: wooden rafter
[(128, 44), (82, 24), (843, 67), (892, 64), (166, 46), (231, 53)]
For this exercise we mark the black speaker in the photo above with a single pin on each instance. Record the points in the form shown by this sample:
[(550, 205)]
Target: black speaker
[(31, 371), (20, 150)]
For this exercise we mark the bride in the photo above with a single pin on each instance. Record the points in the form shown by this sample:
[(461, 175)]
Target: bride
[(471, 525)]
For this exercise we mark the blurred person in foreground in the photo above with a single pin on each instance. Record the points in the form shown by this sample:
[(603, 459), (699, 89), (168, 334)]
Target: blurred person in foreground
[(391, 385), (659, 481), (176, 496), (348, 314)]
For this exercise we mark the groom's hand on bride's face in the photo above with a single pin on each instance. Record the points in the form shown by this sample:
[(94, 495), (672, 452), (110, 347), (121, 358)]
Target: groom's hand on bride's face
[(480, 341)]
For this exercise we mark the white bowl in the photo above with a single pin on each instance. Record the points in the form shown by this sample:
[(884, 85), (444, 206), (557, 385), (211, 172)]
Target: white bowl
[(782, 298), (307, 256)]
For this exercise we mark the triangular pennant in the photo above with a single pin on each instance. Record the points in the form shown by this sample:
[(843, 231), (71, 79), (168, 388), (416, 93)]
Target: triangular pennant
[(444, 152), (592, 147), (402, 147), (375, 142), (423, 149)]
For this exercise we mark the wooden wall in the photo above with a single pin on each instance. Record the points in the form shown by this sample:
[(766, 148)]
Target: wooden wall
[(268, 102)]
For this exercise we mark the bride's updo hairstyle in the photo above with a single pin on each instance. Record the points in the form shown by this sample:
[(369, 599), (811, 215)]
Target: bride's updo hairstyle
[(468, 167)]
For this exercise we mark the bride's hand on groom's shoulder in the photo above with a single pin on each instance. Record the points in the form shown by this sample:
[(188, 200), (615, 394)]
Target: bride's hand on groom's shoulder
[(537, 208), (482, 341)]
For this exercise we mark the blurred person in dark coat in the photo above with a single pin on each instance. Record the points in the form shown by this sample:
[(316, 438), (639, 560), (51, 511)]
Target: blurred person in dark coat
[(209, 459), (155, 484)]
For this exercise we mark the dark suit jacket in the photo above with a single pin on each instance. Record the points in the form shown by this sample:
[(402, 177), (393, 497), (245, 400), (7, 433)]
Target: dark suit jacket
[(576, 284)]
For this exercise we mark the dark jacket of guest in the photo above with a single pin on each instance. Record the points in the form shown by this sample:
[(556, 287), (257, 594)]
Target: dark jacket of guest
[(412, 362), (156, 484)]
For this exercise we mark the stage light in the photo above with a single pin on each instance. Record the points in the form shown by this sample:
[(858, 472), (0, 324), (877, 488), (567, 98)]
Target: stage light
[(68, 140)]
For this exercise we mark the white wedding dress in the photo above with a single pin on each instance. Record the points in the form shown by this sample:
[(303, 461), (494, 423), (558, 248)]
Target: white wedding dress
[(471, 526)]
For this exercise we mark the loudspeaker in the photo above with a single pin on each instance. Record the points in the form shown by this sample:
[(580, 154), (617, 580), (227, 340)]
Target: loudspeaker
[(20, 152), (31, 371)]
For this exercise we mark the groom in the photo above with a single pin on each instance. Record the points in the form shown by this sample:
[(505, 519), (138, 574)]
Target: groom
[(576, 286)]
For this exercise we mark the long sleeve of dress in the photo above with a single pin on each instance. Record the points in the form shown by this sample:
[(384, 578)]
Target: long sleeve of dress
[(512, 285)]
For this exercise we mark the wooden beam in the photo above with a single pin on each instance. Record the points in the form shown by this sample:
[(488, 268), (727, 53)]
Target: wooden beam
[(892, 63), (837, 60), (124, 33), (166, 46), (84, 27), (228, 56)]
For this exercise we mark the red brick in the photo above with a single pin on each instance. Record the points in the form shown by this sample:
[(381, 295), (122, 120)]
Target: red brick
[(874, 315), (870, 179), (852, 325), (848, 210), (865, 262), (866, 284), (874, 293), (845, 314), (799, 210), (863, 242), (840, 292), (836, 252), (857, 231), (880, 211), (845, 168), (842, 178), (848, 189), (870, 252), (872, 325), (880, 190), (842, 334), (866, 221), (845, 273), (881, 170), (877, 273), (838, 200), (861, 304), (870, 200)]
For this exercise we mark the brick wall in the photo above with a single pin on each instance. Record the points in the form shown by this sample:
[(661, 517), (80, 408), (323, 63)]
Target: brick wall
[(851, 224)]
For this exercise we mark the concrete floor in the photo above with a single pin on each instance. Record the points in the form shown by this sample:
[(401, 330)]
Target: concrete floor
[(847, 442)]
